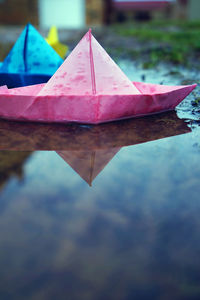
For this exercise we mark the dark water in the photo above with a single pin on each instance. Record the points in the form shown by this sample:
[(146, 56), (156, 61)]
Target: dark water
[(103, 212)]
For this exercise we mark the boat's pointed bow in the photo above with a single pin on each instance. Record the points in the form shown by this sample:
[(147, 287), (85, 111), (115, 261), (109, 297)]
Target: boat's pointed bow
[(3, 88), (181, 93), (189, 88), (165, 97), (170, 99)]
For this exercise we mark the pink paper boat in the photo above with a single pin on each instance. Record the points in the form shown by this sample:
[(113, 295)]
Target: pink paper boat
[(88, 88)]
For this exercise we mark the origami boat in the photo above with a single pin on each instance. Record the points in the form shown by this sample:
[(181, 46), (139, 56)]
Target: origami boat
[(31, 60), (89, 88), (53, 40), (88, 149)]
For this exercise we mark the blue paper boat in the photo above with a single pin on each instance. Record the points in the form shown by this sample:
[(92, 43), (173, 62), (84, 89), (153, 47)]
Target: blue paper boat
[(31, 60)]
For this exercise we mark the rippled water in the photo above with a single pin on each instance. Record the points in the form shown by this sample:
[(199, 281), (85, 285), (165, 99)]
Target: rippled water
[(102, 212)]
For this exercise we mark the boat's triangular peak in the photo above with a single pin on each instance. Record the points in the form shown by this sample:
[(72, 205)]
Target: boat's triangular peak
[(31, 54), (52, 37), (53, 40), (89, 70)]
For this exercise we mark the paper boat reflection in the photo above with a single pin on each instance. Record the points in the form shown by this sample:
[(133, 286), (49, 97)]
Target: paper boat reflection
[(31, 60), (88, 149), (89, 88), (88, 164)]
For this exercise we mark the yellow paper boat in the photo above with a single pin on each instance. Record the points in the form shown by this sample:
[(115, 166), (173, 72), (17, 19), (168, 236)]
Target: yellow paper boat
[(53, 40)]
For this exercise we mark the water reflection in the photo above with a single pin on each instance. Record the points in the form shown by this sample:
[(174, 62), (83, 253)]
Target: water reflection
[(11, 164), (88, 149), (133, 235), (88, 164)]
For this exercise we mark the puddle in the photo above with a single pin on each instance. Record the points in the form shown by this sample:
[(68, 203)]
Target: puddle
[(102, 212)]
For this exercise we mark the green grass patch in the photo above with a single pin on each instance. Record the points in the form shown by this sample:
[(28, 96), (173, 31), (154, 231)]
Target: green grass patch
[(174, 41)]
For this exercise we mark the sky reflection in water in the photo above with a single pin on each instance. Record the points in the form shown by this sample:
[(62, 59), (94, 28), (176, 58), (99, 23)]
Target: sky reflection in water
[(133, 235)]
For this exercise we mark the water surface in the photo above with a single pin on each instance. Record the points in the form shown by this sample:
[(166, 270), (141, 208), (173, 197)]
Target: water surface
[(101, 212)]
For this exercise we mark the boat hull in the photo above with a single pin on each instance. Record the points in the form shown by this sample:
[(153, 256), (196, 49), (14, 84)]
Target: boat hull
[(23, 104), (13, 80)]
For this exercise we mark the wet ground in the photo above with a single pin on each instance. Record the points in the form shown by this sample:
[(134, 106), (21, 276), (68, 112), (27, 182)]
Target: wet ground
[(103, 212)]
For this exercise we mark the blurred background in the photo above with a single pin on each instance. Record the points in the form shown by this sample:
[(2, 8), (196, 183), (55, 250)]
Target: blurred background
[(80, 13), (142, 30)]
